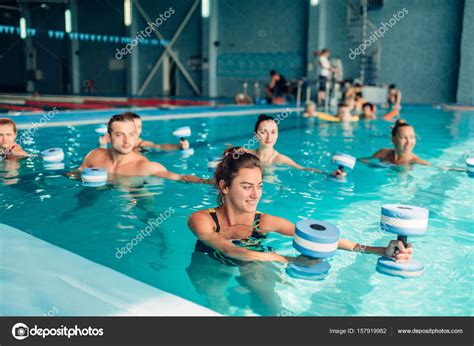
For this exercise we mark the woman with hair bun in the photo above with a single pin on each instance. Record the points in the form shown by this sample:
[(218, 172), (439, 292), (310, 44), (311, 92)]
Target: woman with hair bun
[(230, 239), (404, 141), (232, 232)]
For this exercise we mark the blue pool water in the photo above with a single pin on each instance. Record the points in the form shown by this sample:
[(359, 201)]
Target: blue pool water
[(95, 222)]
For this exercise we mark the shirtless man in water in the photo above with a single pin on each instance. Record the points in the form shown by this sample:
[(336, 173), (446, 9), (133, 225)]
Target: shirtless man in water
[(121, 159), (145, 145)]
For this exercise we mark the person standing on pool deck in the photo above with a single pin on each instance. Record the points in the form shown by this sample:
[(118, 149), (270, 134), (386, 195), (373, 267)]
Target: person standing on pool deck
[(121, 159), (142, 144), (325, 70), (266, 131), (232, 232), (404, 141), (8, 147)]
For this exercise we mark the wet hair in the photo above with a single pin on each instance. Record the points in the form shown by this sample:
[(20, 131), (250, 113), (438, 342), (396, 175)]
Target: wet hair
[(234, 159), (392, 86), (368, 104), (342, 104), (134, 115), (261, 118), (6, 121), (123, 117), (273, 72), (398, 125)]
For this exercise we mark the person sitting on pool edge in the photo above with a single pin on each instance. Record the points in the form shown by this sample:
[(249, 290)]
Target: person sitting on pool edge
[(232, 232), (368, 111), (277, 87), (394, 97), (8, 147), (142, 145), (266, 131), (404, 141), (121, 158), (310, 110)]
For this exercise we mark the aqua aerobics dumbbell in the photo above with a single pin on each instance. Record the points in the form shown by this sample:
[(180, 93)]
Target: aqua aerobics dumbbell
[(212, 163), (317, 239), (94, 177), (101, 129), (470, 167), (404, 221), (53, 158), (182, 133), (342, 161)]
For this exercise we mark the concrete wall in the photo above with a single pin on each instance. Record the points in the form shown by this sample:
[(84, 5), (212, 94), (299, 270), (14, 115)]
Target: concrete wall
[(421, 52), (188, 44), (257, 36)]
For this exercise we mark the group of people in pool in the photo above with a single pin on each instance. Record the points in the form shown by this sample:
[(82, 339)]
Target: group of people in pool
[(351, 102), (354, 107), (232, 231)]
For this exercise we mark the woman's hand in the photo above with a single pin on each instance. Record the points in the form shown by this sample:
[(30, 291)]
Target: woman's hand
[(398, 251), (75, 175), (339, 174), (183, 144)]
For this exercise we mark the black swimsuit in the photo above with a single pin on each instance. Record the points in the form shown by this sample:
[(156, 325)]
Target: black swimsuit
[(251, 243)]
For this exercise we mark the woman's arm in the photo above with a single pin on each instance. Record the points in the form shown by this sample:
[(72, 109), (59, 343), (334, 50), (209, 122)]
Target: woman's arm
[(203, 228), (399, 99), (377, 155), (184, 144), (270, 223), (285, 160), (158, 170), (416, 159), (395, 249)]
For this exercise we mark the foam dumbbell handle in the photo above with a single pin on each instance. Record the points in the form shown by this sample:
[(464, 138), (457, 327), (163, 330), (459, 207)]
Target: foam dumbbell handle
[(403, 239)]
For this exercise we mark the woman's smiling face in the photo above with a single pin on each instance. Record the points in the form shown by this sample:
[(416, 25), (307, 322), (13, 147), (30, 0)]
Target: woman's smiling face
[(267, 133), (245, 191), (405, 139)]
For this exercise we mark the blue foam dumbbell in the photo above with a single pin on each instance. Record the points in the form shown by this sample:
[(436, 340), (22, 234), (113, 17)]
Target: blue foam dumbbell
[(317, 239), (94, 177), (404, 221)]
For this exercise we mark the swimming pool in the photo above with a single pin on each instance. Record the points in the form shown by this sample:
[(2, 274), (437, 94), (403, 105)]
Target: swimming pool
[(95, 222)]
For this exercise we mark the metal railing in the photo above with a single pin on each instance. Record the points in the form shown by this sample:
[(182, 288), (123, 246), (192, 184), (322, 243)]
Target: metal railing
[(359, 27)]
